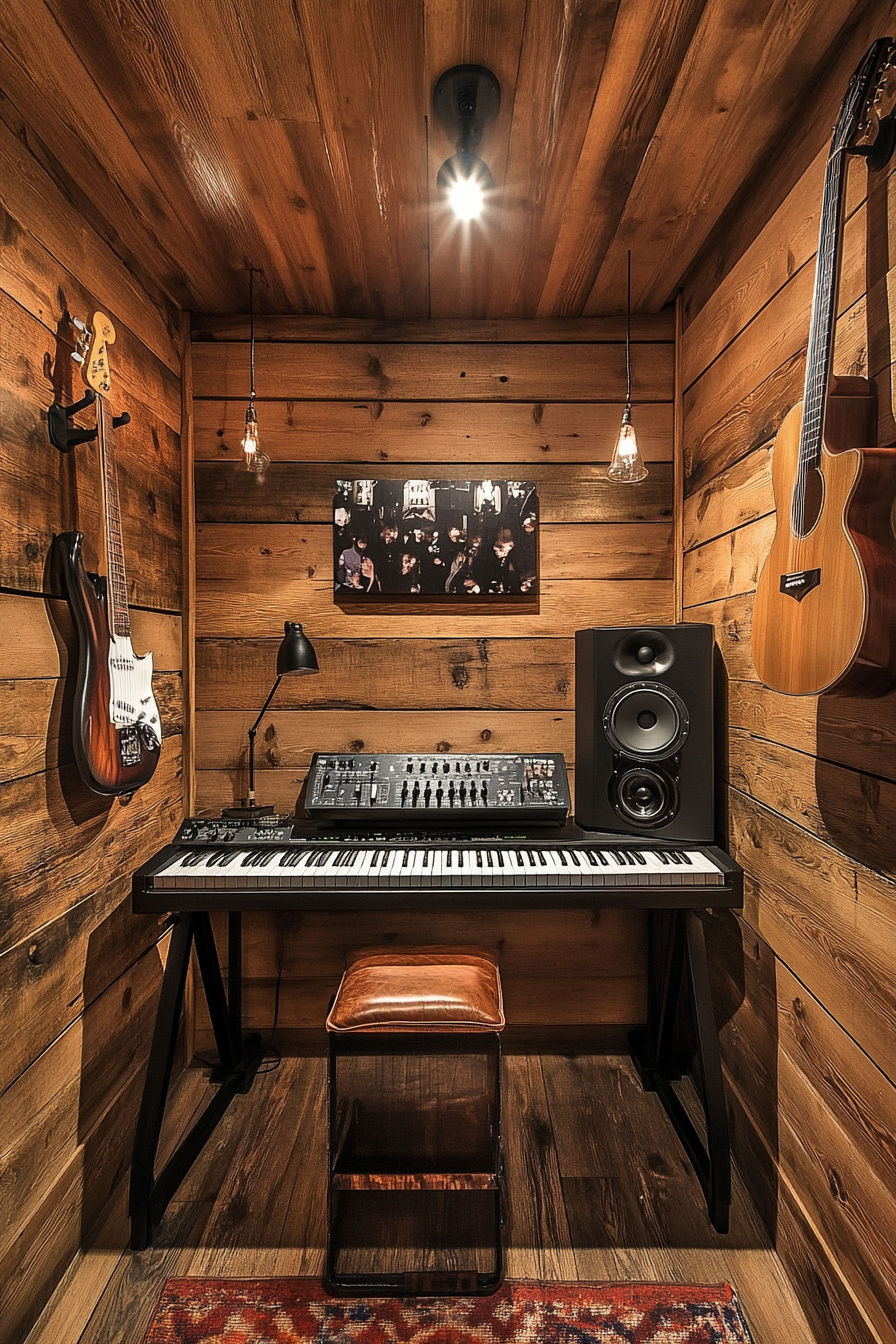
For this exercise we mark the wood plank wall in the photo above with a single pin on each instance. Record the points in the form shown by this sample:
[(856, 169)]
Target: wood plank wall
[(79, 975), (808, 976), (538, 399)]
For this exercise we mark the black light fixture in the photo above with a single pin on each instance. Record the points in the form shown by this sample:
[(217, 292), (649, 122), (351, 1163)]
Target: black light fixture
[(295, 657), (253, 459), (465, 99), (627, 466)]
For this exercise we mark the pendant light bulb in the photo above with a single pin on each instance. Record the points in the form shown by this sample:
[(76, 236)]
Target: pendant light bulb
[(627, 465), (253, 460)]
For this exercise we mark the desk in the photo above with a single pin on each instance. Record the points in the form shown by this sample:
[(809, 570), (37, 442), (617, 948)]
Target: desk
[(678, 992)]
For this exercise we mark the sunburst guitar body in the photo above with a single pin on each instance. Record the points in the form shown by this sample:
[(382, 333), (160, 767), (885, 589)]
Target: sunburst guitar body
[(825, 609)]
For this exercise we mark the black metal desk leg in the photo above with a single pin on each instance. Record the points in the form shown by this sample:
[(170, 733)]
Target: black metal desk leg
[(158, 1076), (235, 1072), (717, 1186), (677, 947)]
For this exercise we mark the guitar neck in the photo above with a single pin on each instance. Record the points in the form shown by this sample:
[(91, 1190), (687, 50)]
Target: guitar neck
[(117, 590), (824, 308)]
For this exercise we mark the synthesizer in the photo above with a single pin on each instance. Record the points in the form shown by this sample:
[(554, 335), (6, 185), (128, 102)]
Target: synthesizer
[(217, 864), (439, 789)]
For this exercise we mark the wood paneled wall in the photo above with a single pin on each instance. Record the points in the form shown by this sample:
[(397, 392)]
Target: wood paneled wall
[(807, 977), (79, 974), (502, 399)]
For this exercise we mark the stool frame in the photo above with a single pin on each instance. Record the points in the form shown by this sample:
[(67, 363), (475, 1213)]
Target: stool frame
[(341, 1182)]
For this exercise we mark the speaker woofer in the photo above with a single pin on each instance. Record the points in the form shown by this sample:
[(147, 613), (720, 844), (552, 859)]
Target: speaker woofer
[(645, 719), (644, 796)]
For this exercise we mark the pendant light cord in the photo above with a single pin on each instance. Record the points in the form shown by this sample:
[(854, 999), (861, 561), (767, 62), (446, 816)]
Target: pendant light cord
[(251, 337), (628, 335)]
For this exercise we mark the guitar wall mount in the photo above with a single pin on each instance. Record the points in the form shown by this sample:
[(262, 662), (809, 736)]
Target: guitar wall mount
[(64, 436)]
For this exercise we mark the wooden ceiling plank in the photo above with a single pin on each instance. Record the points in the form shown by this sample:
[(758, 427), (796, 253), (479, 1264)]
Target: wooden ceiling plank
[(58, 98), (249, 58), (133, 52), (366, 65), (489, 33), (649, 42), (743, 77), (563, 54), (295, 250)]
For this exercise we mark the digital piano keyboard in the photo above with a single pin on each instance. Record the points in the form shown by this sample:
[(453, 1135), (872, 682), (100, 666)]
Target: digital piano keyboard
[(219, 865)]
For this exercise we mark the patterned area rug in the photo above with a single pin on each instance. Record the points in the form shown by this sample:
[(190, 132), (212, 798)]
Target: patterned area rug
[(298, 1311)]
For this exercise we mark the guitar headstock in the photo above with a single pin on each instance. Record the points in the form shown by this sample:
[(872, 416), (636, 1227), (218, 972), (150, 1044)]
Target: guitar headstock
[(880, 104), (92, 352), (869, 100)]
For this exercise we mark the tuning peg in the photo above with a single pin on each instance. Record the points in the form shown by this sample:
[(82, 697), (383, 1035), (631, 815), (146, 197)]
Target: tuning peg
[(79, 325), (77, 357)]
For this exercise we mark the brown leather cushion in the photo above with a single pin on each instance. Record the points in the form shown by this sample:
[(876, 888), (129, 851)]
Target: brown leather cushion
[(439, 990)]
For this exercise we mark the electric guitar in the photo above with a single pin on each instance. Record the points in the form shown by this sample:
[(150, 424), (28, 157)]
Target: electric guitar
[(117, 729), (824, 618)]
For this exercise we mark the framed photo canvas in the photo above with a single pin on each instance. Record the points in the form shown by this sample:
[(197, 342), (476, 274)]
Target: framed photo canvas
[(445, 538)]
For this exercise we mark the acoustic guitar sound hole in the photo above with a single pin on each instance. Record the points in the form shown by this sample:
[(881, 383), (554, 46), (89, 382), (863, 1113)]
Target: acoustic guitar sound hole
[(813, 502)]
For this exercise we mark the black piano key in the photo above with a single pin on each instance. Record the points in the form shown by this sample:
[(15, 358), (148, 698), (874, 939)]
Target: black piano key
[(686, 858), (541, 858), (562, 858), (638, 857), (479, 858)]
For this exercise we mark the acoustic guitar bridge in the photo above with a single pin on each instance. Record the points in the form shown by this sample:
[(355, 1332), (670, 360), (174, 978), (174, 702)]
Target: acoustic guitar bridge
[(799, 584)]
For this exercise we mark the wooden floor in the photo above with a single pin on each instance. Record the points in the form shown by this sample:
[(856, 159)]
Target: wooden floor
[(598, 1188)]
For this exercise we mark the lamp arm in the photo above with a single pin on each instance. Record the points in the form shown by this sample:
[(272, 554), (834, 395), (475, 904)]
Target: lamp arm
[(252, 731)]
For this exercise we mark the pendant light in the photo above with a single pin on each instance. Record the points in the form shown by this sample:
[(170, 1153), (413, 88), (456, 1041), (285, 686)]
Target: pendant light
[(253, 460), (627, 466)]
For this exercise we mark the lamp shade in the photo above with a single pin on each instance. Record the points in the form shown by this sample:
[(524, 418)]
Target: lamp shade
[(296, 653)]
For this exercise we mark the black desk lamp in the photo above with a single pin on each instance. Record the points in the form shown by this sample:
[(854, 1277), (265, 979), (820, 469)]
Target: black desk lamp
[(295, 657)]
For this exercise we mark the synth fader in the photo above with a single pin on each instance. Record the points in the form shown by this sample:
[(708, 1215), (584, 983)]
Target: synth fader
[(439, 789)]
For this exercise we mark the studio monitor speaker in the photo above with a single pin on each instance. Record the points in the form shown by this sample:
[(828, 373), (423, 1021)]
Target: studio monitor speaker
[(644, 730)]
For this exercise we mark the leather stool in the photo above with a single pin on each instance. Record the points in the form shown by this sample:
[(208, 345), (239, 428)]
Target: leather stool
[(414, 1101)]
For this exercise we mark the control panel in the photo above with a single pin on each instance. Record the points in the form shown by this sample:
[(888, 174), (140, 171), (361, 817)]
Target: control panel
[(212, 831), (442, 789)]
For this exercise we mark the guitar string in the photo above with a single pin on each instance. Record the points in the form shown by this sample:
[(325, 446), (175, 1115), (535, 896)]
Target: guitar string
[(820, 337)]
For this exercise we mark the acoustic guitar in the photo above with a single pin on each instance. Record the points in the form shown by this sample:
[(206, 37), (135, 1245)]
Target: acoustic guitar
[(824, 619), (117, 729)]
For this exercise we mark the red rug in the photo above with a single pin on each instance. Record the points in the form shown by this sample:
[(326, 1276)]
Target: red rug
[(298, 1311)]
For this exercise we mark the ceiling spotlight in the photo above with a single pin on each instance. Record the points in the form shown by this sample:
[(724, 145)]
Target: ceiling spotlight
[(465, 99)]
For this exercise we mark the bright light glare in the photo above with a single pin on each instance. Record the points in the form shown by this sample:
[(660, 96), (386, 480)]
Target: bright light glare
[(466, 198), (627, 465)]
